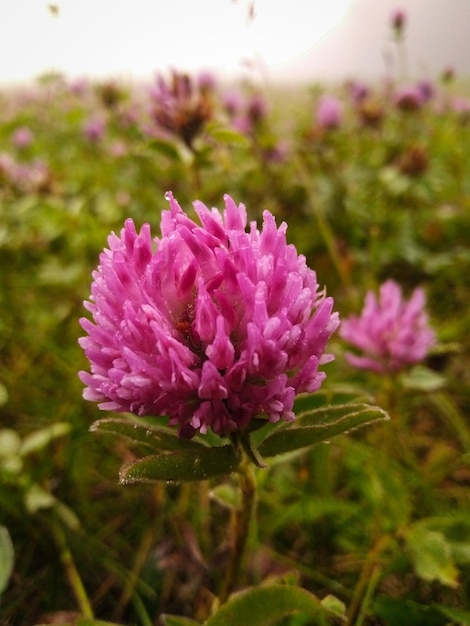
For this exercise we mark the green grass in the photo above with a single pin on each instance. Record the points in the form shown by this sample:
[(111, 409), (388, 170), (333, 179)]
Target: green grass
[(379, 518)]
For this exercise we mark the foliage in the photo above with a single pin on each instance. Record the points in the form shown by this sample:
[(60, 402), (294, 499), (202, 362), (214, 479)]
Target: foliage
[(369, 529)]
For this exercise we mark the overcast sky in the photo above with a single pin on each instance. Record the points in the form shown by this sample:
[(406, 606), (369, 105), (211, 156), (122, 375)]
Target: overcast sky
[(309, 39)]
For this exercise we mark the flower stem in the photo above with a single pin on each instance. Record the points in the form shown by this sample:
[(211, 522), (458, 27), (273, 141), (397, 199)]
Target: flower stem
[(324, 228), (241, 527), (368, 579), (71, 572)]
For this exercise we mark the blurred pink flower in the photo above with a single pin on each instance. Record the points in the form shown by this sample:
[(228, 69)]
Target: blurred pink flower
[(256, 108), (24, 177), (94, 128), (180, 106), (22, 137), (232, 102), (410, 98), (329, 112), (398, 21), (391, 332), (214, 327)]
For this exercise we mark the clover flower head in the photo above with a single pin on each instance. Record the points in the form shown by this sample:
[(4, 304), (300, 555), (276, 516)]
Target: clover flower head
[(329, 112), (212, 325), (94, 128), (22, 137), (398, 21), (180, 106), (410, 98), (391, 332)]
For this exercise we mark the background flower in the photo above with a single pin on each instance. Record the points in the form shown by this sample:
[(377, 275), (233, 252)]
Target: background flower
[(216, 326), (391, 332)]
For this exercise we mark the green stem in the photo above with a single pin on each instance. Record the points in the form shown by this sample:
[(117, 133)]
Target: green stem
[(326, 232), (241, 526), (453, 416), (72, 573), (363, 591)]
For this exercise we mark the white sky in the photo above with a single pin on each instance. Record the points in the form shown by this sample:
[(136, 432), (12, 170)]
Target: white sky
[(287, 38)]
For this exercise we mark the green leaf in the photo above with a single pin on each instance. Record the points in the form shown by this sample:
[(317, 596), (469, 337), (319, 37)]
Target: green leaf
[(306, 402), (176, 620), (10, 443), (227, 495), (263, 606), (401, 611), (227, 136), (181, 465), (458, 616), (335, 605), (165, 148), (37, 498), (431, 555), (7, 557), (155, 438), (318, 426), (3, 394), (39, 439), (421, 378), (94, 622)]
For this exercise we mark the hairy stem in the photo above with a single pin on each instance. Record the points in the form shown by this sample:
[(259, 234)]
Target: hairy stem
[(241, 527), (71, 572)]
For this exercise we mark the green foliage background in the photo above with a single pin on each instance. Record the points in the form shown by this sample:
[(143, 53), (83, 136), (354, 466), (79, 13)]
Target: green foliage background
[(379, 518)]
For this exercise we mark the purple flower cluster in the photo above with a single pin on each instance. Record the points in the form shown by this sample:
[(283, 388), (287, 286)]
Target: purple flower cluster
[(329, 112), (28, 177), (181, 106), (391, 332), (211, 325)]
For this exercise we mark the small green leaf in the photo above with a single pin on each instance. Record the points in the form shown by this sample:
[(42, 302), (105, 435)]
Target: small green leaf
[(155, 438), (176, 620), (306, 402), (334, 605), (318, 426), (227, 136), (94, 622), (263, 606), (165, 148), (39, 439), (7, 557), (10, 443), (421, 378), (3, 394), (458, 616), (431, 554), (37, 498), (181, 465), (227, 495)]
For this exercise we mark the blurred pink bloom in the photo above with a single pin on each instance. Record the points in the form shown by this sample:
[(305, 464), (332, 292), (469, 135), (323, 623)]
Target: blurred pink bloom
[(78, 86), (22, 137), (232, 102), (398, 21), (24, 177), (180, 106), (210, 325), (391, 332), (94, 128), (329, 112), (118, 149), (358, 91), (410, 98), (427, 90), (256, 108), (206, 81)]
